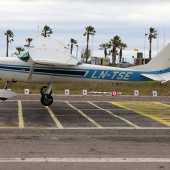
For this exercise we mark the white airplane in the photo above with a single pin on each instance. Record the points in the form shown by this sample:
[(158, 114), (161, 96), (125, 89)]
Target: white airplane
[(48, 62)]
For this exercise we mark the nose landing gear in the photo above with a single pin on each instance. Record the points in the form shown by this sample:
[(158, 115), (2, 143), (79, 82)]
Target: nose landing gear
[(46, 92), (46, 99)]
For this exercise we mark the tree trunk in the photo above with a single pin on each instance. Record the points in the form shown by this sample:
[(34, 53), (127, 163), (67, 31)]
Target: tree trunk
[(114, 56), (105, 52), (71, 50), (7, 46), (45, 33), (120, 55), (150, 47), (87, 48)]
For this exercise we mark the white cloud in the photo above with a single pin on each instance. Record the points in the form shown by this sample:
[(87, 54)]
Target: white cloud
[(127, 18)]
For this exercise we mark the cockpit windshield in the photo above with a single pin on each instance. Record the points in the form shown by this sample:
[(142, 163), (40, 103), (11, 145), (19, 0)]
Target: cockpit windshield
[(24, 56)]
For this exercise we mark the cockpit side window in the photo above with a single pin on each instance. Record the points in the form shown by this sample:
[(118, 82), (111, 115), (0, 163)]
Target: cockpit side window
[(24, 56)]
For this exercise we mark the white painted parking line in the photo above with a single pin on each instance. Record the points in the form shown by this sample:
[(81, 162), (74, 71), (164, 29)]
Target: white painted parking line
[(87, 160)]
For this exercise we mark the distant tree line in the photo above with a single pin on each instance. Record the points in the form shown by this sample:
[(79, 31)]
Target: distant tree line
[(114, 47)]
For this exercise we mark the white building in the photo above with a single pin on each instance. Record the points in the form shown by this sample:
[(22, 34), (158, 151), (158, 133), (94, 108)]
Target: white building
[(100, 61)]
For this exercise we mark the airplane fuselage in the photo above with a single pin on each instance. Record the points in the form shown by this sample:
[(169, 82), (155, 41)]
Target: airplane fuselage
[(18, 70)]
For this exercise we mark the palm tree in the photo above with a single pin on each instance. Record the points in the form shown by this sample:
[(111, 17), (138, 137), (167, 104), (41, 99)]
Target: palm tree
[(83, 54), (89, 31), (122, 47), (19, 50), (47, 31), (72, 41), (28, 40), (114, 43), (104, 46), (9, 38), (152, 35)]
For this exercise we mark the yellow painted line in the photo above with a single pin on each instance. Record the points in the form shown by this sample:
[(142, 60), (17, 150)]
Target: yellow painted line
[(154, 110), (163, 104), (9, 127), (20, 115), (121, 118), (83, 114), (16, 127), (57, 122)]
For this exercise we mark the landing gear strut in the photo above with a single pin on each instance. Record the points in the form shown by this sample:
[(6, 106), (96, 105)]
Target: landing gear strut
[(46, 98), (7, 85)]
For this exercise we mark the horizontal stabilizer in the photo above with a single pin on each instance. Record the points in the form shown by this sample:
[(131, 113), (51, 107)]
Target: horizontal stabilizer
[(158, 77), (5, 94)]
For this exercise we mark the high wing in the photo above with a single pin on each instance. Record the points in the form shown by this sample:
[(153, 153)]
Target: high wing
[(52, 57), (51, 52), (48, 51), (164, 77)]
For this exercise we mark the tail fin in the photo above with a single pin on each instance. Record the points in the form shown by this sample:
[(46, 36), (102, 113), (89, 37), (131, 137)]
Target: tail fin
[(160, 62)]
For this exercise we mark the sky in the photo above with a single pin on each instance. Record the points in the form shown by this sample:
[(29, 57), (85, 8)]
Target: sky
[(129, 19)]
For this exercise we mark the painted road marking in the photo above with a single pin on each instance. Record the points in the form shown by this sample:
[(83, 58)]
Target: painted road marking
[(83, 114), (85, 128), (57, 122), (166, 105), (121, 118), (154, 110), (20, 115), (87, 160)]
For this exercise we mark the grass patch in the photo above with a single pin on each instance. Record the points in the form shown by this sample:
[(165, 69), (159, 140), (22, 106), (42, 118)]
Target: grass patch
[(145, 88)]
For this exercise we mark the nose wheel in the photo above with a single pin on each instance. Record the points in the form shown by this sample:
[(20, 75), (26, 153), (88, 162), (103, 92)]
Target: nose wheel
[(46, 98)]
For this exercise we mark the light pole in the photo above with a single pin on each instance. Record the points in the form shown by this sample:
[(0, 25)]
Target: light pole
[(144, 46), (38, 31), (77, 50)]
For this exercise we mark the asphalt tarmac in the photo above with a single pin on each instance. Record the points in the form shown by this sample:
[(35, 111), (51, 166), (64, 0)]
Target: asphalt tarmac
[(85, 132)]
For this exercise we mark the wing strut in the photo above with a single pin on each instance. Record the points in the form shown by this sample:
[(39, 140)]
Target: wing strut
[(31, 70)]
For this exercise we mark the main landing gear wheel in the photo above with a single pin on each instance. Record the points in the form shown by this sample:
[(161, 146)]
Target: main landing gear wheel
[(46, 99), (43, 90)]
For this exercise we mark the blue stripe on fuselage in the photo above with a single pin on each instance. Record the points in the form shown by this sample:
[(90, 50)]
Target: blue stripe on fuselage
[(116, 75)]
